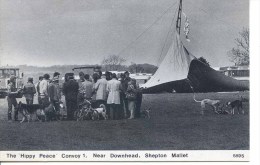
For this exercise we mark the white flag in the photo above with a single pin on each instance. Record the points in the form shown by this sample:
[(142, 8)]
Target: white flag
[(186, 27)]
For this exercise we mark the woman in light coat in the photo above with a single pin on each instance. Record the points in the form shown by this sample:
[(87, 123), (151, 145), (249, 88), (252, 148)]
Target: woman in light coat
[(113, 88), (131, 94), (100, 88)]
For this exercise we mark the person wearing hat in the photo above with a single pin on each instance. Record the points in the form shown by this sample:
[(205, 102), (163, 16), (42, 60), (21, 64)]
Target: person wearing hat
[(55, 93), (29, 91), (70, 90), (11, 99)]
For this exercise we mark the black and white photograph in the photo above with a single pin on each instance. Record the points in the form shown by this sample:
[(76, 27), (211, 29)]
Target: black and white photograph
[(115, 80)]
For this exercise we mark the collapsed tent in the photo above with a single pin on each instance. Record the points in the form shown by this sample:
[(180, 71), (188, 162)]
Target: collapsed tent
[(182, 72)]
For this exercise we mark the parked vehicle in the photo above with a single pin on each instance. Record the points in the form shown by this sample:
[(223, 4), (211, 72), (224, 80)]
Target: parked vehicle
[(5, 74)]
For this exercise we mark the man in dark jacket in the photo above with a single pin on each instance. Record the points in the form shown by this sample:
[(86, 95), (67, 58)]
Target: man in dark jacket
[(55, 93), (80, 97), (139, 98), (70, 90)]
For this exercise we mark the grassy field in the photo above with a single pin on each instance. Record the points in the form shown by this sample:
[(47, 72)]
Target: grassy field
[(175, 124)]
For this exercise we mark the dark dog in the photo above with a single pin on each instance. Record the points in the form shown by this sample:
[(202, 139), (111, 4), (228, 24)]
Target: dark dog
[(29, 110), (222, 110), (237, 104), (52, 113)]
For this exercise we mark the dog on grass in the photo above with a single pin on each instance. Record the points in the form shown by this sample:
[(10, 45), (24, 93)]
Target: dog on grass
[(52, 113), (213, 103), (99, 112), (29, 110), (146, 113), (84, 113), (237, 104), (222, 110)]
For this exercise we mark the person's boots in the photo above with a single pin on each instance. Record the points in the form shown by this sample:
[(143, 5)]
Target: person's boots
[(15, 115), (9, 117)]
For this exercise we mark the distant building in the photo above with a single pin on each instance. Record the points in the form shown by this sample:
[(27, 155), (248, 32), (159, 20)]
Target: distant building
[(237, 72), (141, 78)]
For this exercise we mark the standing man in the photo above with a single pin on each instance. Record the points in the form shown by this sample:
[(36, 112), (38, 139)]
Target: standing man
[(11, 99), (38, 89), (29, 91), (88, 87), (122, 96), (131, 97), (139, 98), (80, 97), (101, 90), (126, 79), (113, 100), (44, 90), (55, 93), (70, 90)]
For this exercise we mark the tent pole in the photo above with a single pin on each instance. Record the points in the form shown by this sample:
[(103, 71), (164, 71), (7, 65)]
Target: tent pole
[(178, 22)]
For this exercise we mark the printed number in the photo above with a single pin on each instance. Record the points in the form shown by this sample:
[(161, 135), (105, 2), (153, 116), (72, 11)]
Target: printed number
[(238, 156)]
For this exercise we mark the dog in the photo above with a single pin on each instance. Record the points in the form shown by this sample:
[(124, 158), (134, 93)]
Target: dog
[(213, 103), (101, 111), (146, 113), (236, 104), (222, 110), (85, 112), (29, 110), (52, 113)]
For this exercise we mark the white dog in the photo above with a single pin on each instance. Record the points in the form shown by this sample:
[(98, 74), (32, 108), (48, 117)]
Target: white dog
[(101, 111), (213, 103)]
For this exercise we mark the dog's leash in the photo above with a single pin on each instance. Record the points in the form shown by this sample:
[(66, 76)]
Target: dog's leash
[(191, 87)]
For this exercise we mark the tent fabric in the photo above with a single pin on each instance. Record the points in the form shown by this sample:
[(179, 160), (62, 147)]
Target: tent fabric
[(200, 78), (175, 65), (205, 79)]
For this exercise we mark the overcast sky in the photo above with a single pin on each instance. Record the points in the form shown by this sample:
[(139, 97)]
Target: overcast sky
[(56, 32)]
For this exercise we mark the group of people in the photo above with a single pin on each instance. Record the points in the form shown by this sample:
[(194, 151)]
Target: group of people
[(120, 94)]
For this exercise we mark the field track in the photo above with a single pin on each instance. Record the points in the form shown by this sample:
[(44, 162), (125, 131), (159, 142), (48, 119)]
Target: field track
[(175, 124)]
